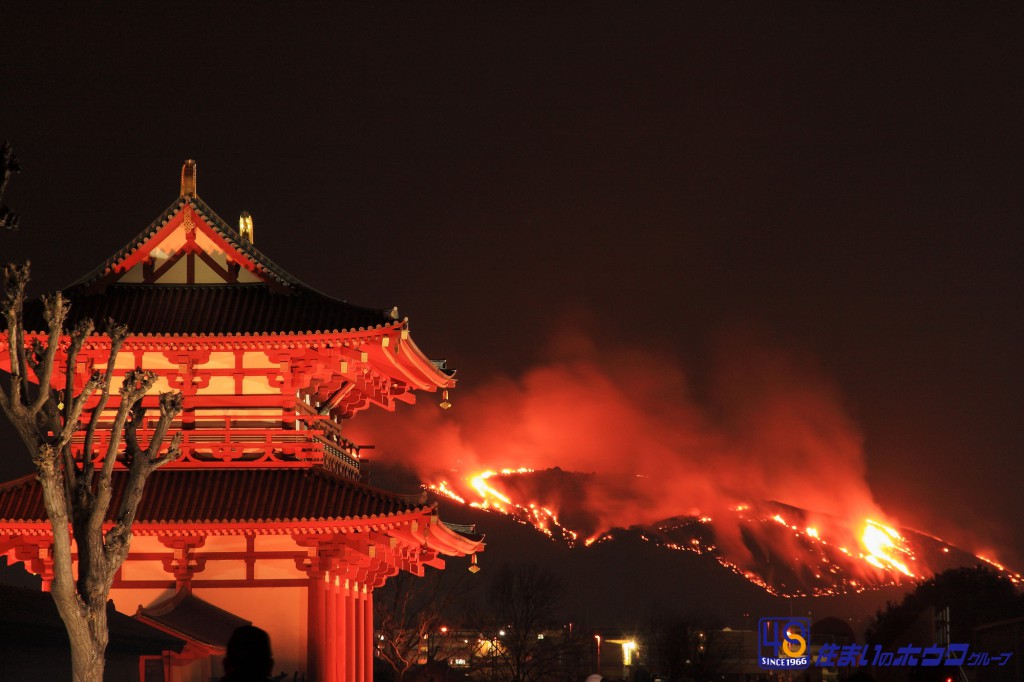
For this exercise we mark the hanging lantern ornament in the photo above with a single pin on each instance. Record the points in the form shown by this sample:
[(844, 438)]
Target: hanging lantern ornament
[(445, 405), (473, 568)]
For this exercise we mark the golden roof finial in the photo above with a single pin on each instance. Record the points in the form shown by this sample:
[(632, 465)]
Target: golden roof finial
[(245, 226), (188, 179)]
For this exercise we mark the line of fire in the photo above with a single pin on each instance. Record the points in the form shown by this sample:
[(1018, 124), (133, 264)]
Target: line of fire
[(267, 516)]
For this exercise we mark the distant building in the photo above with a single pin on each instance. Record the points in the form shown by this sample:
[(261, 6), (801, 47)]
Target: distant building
[(1001, 637), (266, 517), (33, 638), (732, 654)]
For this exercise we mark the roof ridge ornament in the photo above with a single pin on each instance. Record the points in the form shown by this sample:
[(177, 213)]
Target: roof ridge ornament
[(188, 178), (245, 226)]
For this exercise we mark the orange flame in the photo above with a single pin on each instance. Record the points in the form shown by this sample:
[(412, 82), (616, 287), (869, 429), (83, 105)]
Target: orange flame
[(886, 548)]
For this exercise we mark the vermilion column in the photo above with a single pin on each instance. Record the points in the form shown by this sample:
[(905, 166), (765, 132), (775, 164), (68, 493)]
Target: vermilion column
[(331, 656), (350, 621), (368, 635), (326, 639), (315, 623), (343, 633), (360, 634)]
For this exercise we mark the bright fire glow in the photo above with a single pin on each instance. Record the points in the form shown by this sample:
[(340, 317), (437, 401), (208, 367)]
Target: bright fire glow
[(1016, 578), (886, 548), (490, 498), (485, 491)]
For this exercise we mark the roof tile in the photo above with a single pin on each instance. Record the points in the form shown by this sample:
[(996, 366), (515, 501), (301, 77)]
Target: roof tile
[(214, 309), (230, 495)]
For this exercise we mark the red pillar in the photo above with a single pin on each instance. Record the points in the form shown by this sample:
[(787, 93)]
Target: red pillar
[(314, 627), (357, 597), (368, 637), (325, 627), (350, 621), (343, 633), (331, 656)]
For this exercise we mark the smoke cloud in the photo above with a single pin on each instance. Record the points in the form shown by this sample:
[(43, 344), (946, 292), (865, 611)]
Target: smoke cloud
[(762, 425)]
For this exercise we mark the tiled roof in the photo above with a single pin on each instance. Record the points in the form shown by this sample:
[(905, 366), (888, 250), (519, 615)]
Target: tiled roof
[(177, 496), (214, 309), (31, 615), (194, 619), (204, 309)]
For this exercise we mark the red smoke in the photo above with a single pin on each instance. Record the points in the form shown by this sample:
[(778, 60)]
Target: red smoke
[(766, 427)]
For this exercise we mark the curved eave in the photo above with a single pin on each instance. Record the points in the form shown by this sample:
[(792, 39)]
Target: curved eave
[(401, 359), (448, 542), (362, 524), (440, 538), (419, 363)]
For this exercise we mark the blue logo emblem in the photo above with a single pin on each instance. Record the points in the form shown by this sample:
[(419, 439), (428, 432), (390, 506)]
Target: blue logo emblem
[(783, 643)]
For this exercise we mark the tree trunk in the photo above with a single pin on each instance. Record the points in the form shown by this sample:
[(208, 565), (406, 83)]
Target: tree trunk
[(87, 632), (87, 659)]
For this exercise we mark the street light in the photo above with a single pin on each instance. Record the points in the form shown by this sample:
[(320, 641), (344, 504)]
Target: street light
[(627, 652)]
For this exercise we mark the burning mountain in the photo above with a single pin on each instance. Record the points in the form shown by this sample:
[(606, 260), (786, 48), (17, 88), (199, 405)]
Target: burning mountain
[(786, 550), (691, 466)]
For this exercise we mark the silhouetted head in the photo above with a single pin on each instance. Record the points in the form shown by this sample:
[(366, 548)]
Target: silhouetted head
[(248, 657)]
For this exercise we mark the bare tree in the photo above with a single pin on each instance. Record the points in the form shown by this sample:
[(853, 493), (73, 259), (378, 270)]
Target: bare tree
[(674, 645), (77, 487), (8, 167), (524, 601), (410, 613)]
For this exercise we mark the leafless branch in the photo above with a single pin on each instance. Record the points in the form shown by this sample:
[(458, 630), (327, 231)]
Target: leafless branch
[(72, 422), (12, 300), (117, 333), (132, 451), (55, 312), (170, 407), (136, 383), (140, 466), (35, 358)]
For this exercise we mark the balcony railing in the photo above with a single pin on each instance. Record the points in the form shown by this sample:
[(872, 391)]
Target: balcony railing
[(249, 447)]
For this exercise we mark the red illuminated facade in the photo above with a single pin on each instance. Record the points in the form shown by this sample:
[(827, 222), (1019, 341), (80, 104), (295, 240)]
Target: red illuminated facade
[(266, 517)]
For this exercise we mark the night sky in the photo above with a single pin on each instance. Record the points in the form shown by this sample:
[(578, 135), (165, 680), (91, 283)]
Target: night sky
[(841, 182)]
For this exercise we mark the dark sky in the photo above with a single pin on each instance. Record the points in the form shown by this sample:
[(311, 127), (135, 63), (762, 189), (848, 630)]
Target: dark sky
[(843, 178)]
